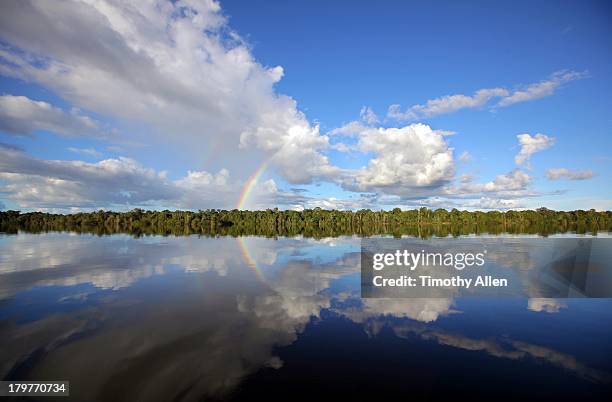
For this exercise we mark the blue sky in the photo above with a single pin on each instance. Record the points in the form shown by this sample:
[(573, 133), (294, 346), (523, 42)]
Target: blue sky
[(176, 105)]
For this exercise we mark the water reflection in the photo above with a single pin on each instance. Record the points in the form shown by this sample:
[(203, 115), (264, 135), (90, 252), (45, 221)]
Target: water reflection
[(545, 304), (165, 318)]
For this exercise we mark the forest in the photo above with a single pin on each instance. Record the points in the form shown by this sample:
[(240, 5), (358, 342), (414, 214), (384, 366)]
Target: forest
[(315, 223)]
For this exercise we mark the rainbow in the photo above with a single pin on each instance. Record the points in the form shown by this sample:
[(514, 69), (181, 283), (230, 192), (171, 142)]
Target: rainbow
[(244, 196), (250, 184), (250, 261)]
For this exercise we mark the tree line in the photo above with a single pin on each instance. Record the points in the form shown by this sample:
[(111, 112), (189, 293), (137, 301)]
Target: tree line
[(315, 222)]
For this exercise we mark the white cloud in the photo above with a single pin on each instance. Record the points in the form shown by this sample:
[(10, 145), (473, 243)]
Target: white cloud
[(201, 189), (472, 204), (111, 183), (297, 153), (351, 129), (541, 89), (483, 97), (567, 174), (530, 145), (175, 66), (340, 204), (408, 160), (514, 182), (123, 183), (495, 203), (33, 182), (178, 69), (446, 104), (22, 116)]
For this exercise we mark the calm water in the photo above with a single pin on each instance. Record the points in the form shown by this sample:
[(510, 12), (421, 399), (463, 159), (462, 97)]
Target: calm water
[(188, 318)]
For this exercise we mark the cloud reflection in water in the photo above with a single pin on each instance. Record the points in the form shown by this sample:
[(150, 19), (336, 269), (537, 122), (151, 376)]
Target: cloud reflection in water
[(167, 317)]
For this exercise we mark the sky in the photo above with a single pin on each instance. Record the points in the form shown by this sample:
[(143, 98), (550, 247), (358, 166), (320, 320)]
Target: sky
[(347, 105)]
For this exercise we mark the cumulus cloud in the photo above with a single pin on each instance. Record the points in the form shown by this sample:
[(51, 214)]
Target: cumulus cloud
[(179, 70), (351, 129), (408, 160), (22, 116), (483, 97), (176, 66), (515, 180), (118, 183), (530, 145), (297, 152), (123, 183), (568, 174), (505, 191), (117, 59), (512, 182), (33, 182)]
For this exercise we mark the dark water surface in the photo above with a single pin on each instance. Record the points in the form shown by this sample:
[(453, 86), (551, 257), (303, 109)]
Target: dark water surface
[(188, 318)]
